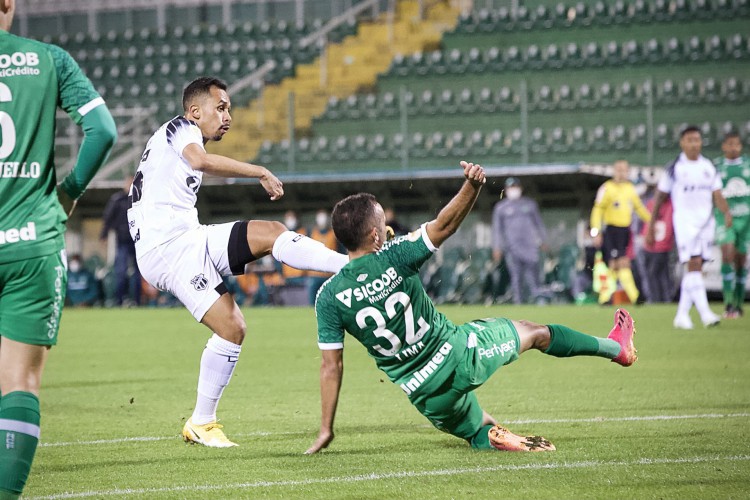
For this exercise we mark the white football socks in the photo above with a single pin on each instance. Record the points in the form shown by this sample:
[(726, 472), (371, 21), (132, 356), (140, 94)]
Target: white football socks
[(686, 297), (697, 289), (217, 365), (299, 251)]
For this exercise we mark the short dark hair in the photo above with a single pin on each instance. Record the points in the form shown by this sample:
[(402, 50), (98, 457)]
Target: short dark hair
[(690, 128), (353, 218), (200, 86), (731, 135)]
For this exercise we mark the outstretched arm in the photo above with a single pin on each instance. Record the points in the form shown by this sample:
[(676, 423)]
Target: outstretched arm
[(721, 204), (221, 166), (451, 216), (331, 373)]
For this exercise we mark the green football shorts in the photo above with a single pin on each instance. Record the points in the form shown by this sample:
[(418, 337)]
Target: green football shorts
[(738, 234), (32, 294), (487, 345)]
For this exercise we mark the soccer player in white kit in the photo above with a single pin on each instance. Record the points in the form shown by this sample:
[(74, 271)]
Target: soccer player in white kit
[(695, 186), (178, 254)]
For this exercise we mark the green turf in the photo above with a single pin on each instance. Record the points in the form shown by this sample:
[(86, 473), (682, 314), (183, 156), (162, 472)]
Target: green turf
[(132, 374)]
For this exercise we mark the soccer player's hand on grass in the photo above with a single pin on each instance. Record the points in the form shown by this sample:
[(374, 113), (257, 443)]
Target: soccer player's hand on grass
[(324, 439), (68, 203), (272, 185), (473, 173)]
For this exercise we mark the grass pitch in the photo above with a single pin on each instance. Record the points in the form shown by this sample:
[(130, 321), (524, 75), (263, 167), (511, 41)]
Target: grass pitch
[(120, 384)]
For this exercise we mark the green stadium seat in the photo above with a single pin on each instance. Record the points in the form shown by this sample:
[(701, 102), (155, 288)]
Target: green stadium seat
[(573, 56), (631, 52), (388, 106), (475, 143), (592, 54), (600, 14), (321, 149), (690, 92), (560, 15), (731, 90), (606, 94), (266, 153), (524, 19), (668, 93), (396, 146), (737, 46), (544, 99), (493, 60), (611, 53), (619, 138), (578, 140), (638, 137), (716, 48), (585, 96), (502, 20), (513, 58), (695, 50), (652, 51), (495, 144), (711, 91), (558, 141), (409, 100), (542, 17), (436, 64), (702, 10), (534, 57), (709, 134), (447, 102), (674, 50), (681, 10), (619, 12), (564, 97), (506, 99), (400, 66), (581, 14), (340, 148), (466, 102), (485, 101), (663, 138), (457, 63), (475, 61), (537, 141), (333, 109), (599, 139), (641, 12), (427, 103), (351, 109), (417, 147), (628, 95), (514, 142), (660, 10), (359, 147), (418, 64), (456, 144), (369, 106), (303, 150)]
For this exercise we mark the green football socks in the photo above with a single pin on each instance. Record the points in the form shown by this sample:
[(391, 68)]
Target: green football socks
[(19, 435), (566, 342), (728, 283), (481, 440)]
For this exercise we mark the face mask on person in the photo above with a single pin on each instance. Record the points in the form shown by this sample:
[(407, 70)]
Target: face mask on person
[(513, 193), (74, 266), (290, 223), (321, 220)]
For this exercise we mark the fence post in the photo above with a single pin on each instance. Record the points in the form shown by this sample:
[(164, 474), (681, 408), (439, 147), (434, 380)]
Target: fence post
[(524, 122)]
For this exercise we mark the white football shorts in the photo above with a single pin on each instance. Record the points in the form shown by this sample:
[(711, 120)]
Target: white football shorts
[(692, 241), (190, 266)]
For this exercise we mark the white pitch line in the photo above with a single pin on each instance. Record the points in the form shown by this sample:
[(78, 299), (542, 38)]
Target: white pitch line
[(507, 422), (393, 475)]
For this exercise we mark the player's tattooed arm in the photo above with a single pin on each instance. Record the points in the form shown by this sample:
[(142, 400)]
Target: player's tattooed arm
[(331, 373), (451, 216), (221, 166)]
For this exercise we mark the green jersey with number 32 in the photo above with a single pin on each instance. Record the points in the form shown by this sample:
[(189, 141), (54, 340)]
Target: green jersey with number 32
[(380, 301), (35, 78)]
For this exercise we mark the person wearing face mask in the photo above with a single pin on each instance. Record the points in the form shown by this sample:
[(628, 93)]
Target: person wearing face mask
[(518, 235), (323, 233), (615, 201), (83, 290)]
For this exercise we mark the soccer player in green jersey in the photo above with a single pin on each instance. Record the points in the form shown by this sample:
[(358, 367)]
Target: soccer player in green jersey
[(734, 169), (379, 299), (34, 79)]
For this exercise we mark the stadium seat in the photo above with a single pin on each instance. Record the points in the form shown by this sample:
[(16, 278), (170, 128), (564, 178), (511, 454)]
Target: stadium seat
[(702, 10), (668, 93), (427, 103), (537, 141), (578, 140), (542, 17), (581, 15), (322, 149), (619, 12), (663, 137), (523, 18), (447, 102), (377, 147), (731, 90), (598, 139), (493, 60), (660, 10), (506, 99), (607, 97), (709, 134), (544, 99), (513, 59), (737, 46), (652, 51), (558, 140), (369, 106), (303, 150), (711, 93), (333, 109), (565, 98), (475, 61), (514, 142), (457, 144), (340, 148), (396, 147), (457, 64), (690, 92), (409, 101), (418, 64), (640, 12), (417, 145), (560, 15), (628, 95), (436, 63), (573, 56), (638, 137), (631, 52), (674, 50), (592, 54), (611, 53), (585, 96), (388, 106), (399, 66), (485, 101), (475, 143), (619, 138), (351, 107), (466, 102), (534, 57), (495, 144), (265, 153)]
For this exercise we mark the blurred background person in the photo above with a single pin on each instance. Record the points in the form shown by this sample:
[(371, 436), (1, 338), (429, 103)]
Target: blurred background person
[(734, 169), (115, 218), (390, 220), (610, 227), (323, 233), (83, 288), (656, 256), (518, 236)]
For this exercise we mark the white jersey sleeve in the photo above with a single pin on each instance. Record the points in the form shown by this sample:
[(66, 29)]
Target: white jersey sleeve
[(181, 132), (666, 182)]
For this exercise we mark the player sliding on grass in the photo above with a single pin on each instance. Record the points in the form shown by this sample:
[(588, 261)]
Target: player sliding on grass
[(178, 254), (378, 298)]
